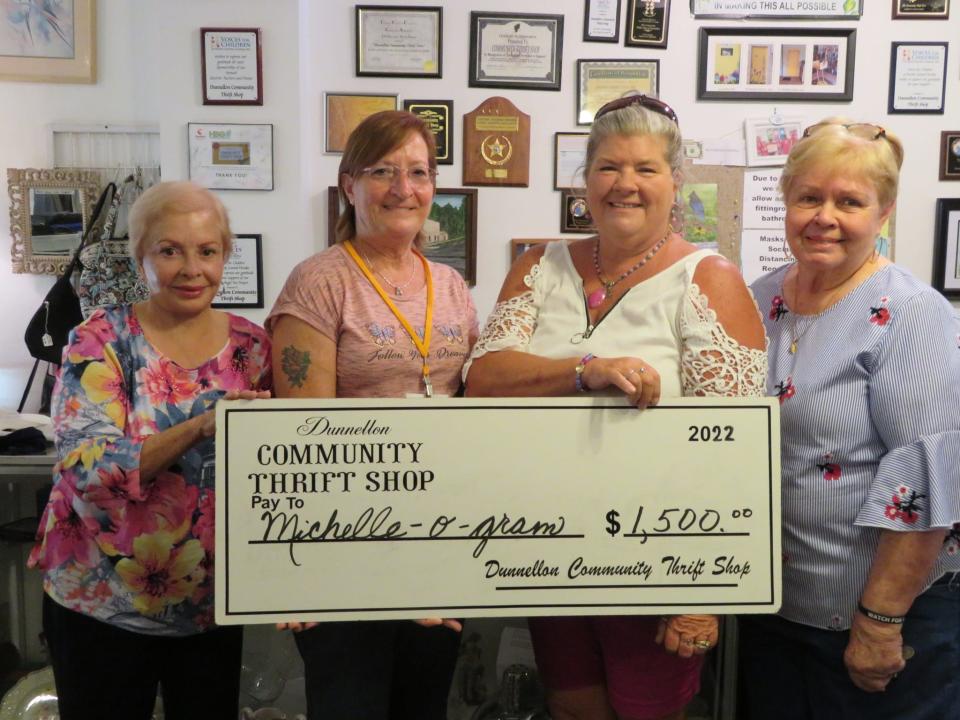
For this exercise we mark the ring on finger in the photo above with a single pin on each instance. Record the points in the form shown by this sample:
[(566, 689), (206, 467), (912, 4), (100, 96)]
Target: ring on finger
[(703, 644)]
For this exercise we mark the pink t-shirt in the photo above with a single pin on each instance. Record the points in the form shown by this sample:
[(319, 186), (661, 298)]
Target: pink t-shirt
[(375, 355)]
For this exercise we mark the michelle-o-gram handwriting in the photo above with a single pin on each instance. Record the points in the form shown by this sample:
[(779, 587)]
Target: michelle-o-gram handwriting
[(377, 525)]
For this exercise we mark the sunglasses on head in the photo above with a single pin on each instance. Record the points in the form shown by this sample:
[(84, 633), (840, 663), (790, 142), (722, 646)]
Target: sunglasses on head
[(657, 106), (864, 130)]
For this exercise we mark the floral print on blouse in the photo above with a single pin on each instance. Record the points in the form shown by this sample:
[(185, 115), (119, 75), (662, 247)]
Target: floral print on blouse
[(138, 556)]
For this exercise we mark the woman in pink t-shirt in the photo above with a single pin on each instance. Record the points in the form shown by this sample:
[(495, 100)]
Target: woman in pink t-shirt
[(372, 317)]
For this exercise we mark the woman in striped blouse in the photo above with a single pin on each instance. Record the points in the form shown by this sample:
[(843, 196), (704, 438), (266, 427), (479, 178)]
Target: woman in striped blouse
[(864, 358)]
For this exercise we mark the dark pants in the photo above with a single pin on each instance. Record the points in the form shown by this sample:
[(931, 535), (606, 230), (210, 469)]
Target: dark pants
[(380, 670), (790, 671), (105, 672)]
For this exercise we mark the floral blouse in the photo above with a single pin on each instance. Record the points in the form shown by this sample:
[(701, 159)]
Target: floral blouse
[(870, 434), (136, 556)]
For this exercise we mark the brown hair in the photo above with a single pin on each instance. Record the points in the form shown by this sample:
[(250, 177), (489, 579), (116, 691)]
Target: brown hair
[(377, 135), (169, 198)]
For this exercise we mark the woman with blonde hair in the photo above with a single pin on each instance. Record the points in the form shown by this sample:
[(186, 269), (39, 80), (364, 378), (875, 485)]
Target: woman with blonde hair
[(864, 358)]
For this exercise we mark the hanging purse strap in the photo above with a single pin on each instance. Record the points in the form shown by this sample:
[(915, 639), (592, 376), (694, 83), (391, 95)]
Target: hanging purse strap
[(110, 191)]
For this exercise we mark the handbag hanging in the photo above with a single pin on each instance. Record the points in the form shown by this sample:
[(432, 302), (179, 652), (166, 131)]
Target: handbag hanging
[(108, 275), (48, 329)]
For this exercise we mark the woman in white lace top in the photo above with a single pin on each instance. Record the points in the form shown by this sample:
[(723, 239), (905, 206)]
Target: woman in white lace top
[(634, 310)]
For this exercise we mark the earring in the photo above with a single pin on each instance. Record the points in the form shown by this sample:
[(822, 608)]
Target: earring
[(676, 219), (787, 255)]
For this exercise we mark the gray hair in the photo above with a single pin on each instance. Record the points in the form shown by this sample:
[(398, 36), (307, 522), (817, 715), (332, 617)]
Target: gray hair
[(637, 120)]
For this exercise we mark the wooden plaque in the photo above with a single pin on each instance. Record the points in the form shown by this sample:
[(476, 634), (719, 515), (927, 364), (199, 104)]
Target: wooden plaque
[(496, 145)]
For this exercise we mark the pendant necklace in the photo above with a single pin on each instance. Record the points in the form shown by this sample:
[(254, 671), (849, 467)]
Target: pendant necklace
[(423, 346), (397, 288), (794, 336), (597, 297)]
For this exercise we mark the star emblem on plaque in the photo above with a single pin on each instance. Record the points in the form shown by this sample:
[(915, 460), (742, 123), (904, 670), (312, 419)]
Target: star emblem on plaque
[(496, 145)]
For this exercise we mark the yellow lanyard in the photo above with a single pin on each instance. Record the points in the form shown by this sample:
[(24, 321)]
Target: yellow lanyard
[(423, 346)]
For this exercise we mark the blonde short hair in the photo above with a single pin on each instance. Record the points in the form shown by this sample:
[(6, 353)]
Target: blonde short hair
[(170, 198), (843, 147)]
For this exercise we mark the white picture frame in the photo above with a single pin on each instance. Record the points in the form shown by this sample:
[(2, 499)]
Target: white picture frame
[(231, 156), (769, 141)]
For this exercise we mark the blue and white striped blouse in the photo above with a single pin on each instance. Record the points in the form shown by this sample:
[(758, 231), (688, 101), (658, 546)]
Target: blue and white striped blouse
[(870, 434)]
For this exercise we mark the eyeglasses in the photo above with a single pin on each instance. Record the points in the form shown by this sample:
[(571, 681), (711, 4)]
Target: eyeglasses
[(418, 175), (657, 106), (864, 130)]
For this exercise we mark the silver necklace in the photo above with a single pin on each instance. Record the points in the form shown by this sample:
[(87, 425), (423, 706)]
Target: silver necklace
[(398, 288), (596, 298)]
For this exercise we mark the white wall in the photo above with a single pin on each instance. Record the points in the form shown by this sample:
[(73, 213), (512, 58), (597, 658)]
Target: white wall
[(506, 213), (149, 72)]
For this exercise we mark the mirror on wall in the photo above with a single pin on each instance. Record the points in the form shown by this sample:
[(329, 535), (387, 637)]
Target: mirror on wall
[(49, 210)]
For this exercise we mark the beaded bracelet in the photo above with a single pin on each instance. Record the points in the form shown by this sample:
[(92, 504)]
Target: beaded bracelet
[(880, 617), (578, 371)]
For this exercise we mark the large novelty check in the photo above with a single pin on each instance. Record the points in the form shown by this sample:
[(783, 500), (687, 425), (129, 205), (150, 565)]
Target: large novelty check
[(339, 509)]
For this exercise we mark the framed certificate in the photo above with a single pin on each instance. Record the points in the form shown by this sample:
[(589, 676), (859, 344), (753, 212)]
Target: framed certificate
[(921, 9), (436, 114), (601, 21), (600, 81), (231, 64), (569, 159), (342, 112), (399, 41), (918, 76), (511, 50), (242, 283), (950, 155), (648, 22), (231, 156), (946, 251)]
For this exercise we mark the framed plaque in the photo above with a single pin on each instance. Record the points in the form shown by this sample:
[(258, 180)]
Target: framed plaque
[(946, 250), (600, 81), (921, 9), (601, 21), (399, 41), (950, 155), (647, 23), (231, 63), (569, 159), (342, 112), (806, 64), (575, 216), (736, 9), (231, 156), (496, 145), (511, 50), (436, 114), (918, 77), (242, 283)]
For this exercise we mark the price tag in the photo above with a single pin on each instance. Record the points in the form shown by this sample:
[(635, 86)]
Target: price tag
[(366, 509)]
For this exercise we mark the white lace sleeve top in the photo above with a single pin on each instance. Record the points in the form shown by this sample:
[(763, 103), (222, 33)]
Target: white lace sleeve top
[(665, 320)]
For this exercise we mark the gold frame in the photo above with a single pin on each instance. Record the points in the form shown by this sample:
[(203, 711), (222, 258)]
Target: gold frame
[(82, 68), (19, 184)]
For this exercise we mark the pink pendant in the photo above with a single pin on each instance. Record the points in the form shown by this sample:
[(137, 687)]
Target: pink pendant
[(596, 298)]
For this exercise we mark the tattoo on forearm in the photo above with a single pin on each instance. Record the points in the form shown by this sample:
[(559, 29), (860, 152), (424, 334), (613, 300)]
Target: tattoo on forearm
[(295, 363)]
